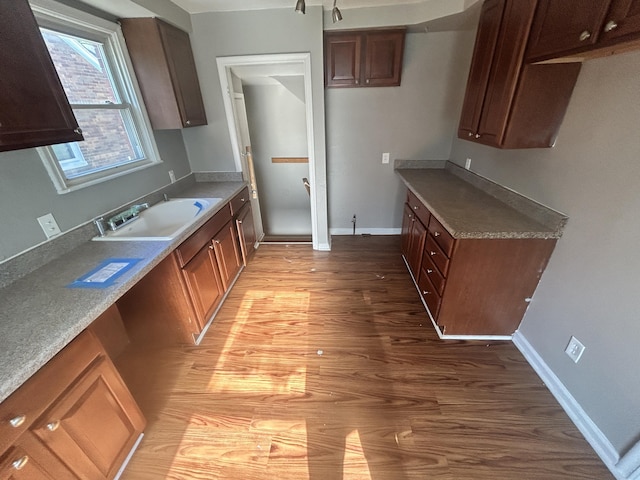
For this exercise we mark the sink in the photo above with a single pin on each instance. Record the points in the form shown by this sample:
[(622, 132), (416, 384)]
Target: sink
[(162, 221)]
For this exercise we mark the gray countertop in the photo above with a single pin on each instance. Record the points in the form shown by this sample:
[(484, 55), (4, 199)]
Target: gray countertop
[(40, 315), (473, 207)]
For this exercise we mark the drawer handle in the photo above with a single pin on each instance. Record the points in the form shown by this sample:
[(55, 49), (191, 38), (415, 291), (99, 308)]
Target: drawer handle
[(426, 292), (436, 234), (611, 25), (53, 426), (586, 35), (432, 253), (429, 270), (17, 421), (20, 463)]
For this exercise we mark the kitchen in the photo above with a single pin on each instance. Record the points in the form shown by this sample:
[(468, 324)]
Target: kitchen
[(419, 121)]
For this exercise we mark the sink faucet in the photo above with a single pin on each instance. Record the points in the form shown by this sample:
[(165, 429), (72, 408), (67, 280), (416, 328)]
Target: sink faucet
[(101, 226)]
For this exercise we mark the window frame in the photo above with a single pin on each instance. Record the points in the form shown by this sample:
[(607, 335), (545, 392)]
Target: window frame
[(54, 16)]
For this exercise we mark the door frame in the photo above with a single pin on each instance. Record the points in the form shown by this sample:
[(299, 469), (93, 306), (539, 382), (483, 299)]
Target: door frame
[(318, 202)]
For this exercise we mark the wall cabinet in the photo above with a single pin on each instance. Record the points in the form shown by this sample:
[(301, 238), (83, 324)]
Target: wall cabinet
[(364, 58), (476, 286), (165, 68), (34, 109), (75, 418), (177, 299), (562, 28), (510, 104), (243, 215)]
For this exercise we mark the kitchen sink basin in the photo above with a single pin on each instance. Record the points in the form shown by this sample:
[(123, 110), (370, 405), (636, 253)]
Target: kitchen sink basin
[(162, 221)]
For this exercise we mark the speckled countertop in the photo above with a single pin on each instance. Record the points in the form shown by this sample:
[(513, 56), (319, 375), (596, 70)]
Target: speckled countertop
[(474, 207), (40, 316)]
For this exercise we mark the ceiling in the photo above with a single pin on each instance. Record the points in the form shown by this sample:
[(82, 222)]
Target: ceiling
[(199, 6)]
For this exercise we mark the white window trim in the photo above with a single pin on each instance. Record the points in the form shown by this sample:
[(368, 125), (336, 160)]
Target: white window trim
[(50, 14)]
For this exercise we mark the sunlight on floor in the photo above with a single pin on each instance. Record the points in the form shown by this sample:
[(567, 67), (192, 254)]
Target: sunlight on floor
[(356, 466), (268, 373)]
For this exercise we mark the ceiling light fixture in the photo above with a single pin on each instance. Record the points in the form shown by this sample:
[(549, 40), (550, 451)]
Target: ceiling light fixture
[(335, 13), (300, 6)]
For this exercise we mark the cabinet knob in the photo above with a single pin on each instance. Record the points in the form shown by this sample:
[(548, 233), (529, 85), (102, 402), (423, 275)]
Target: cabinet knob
[(432, 253), (239, 222), (471, 134), (53, 426), (243, 199), (436, 234), (410, 215), (77, 130), (211, 246), (429, 270), (357, 81), (426, 292), (586, 35), (367, 80), (416, 207), (477, 135), (217, 242), (15, 422), (611, 25), (20, 463), (188, 122)]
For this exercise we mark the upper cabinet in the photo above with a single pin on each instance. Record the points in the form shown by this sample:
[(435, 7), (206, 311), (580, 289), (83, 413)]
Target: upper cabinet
[(34, 109), (510, 104), (163, 61), (583, 28), (364, 58)]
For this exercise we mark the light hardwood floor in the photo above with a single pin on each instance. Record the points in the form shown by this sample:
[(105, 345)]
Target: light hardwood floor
[(324, 366)]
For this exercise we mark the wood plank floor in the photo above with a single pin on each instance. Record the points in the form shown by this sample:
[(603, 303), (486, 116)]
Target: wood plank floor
[(324, 366)]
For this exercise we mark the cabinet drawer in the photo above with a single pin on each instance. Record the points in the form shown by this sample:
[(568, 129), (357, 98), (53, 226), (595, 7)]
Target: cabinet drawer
[(239, 201), (27, 403), (433, 273), (429, 293), (188, 249), (437, 256), (418, 208), (441, 236)]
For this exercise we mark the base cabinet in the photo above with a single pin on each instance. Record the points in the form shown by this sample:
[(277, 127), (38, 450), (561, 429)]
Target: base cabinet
[(414, 232), (475, 286), (75, 418), (243, 215)]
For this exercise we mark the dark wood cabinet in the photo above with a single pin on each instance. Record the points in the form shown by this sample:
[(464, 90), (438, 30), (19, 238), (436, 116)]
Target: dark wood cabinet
[(414, 232), (75, 418), (364, 58), (582, 28), (473, 287), (227, 250), (243, 215), (165, 68), (510, 104), (34, 109)]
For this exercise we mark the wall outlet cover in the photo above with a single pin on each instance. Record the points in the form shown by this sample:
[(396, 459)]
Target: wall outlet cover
[(385, 158), (574, 349), (467, 164), (49, 225)]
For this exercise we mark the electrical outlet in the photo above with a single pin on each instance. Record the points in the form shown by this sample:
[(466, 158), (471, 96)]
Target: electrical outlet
[(385, 158), (467, 164), (574, 349), (172, 176), (49, 225)]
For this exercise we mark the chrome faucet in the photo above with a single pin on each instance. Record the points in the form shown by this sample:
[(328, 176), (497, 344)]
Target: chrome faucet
[(100, 226)]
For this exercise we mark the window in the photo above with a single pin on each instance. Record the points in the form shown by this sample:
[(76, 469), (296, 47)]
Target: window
[(94, 70)]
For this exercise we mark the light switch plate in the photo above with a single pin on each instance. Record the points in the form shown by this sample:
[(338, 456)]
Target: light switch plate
[(49, 225), (385, 158)]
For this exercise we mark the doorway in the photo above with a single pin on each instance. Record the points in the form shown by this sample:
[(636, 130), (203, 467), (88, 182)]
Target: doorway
[(270, 118)]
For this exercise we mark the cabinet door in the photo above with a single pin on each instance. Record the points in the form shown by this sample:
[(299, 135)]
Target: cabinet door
[(34, 109), (418, 236), (623, 20), (246, 232), (227, 255), (204, 284), (182, 68), (405, 236), (383, 58), (94, 425), (342, 60), (28, 459), (484, 51), (562, 26)]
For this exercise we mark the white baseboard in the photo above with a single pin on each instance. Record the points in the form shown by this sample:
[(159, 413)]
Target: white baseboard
[(364, 230), (578, 416)]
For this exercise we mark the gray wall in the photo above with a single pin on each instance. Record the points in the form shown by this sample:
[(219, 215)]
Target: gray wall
[(277, 122), (591, 286), (416, 120), (26, 192)]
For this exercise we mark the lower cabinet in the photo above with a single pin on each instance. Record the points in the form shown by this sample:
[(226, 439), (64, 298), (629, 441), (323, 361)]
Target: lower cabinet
[(474, 286), (414, 232), (75, 418), (243, 215), (176, 300)]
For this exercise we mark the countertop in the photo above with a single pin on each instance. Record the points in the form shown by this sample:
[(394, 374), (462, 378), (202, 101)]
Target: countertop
[(40, 315), (474, 207)]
